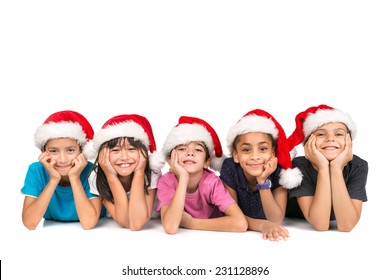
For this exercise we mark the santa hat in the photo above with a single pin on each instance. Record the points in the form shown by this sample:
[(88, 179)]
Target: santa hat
[(191, 129), (314, 117), (64, 124), (133, 125), (261, 121)]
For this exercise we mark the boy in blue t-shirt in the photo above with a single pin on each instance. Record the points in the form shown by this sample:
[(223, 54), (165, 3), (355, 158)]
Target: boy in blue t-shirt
[(56, 187)]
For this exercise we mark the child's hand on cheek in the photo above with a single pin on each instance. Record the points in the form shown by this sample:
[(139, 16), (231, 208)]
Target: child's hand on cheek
[(314, 155), (104, 162), (270, 166), (78, 165), (141, 163), (174, 165), (46, 159), (345, 156)]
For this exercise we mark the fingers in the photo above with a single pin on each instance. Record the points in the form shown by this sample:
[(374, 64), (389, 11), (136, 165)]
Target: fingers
[(276, 234)]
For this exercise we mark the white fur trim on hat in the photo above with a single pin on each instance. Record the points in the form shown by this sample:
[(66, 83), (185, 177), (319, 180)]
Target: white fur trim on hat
[(252, 123), (186, 133), (322, 117), (124, 129), (54, 130)]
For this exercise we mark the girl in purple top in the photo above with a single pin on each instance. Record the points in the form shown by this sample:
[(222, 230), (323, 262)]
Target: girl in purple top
[(191, 195)]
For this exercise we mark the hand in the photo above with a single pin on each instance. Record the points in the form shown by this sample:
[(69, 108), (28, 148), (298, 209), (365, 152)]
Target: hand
[(314, 155), (274, 232), (269, 168), (46, 159), (346, 154), (175, 167), (104, 162), (78, 165), (141, 163)]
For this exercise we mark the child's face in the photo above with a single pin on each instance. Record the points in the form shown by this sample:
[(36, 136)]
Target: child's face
[(253, 150), (124, 158), (330, 139), (192, 156), (63, 151)]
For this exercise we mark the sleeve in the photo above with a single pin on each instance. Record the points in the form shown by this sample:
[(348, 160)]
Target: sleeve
[(309, 180), (357, 180), (154, 179), (219, 196), (84, 177), (165, 191), (228, 173), (92, 183), (35, 181)]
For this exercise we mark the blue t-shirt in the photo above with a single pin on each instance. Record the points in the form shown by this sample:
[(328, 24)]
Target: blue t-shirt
[(62, 205), (249, 201)]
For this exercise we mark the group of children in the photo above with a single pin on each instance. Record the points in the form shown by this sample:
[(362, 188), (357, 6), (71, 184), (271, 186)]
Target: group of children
[(255, 188)]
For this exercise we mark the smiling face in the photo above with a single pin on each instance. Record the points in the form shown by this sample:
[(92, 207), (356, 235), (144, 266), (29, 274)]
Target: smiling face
[(123, 157), (252, 150), (193, 156), (330, 139), (63, 151)]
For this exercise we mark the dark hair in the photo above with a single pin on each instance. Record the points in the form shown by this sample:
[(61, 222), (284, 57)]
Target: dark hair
[(234, 147), (101, 179)]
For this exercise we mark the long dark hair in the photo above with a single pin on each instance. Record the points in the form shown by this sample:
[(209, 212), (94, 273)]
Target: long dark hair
[(101, 179)]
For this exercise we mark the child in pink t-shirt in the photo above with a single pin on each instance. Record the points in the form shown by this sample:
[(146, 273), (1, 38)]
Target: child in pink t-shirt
[(191, 195)]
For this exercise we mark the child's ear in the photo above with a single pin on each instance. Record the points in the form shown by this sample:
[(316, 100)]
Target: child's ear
[(235, 156), (207, 163)]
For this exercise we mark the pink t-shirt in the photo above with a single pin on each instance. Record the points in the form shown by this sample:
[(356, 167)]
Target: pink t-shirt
[(210, 200)]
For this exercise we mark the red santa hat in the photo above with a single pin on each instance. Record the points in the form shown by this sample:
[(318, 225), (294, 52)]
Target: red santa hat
[(261, 121), (314, 117), (64, 124), (191, 129), (132, 125)]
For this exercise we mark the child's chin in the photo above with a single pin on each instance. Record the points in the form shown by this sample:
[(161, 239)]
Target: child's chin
[(63, 172)]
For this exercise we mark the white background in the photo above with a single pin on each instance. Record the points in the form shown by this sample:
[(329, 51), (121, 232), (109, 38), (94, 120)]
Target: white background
[(215, 60)]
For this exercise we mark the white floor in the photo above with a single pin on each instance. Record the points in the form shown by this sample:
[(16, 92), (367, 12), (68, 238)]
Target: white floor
[(64, 251)]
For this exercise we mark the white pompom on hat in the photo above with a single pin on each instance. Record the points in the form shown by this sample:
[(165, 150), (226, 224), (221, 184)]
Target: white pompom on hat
[(64, 124), (191, 129), (261, 121), (313, 118), (127, 125)]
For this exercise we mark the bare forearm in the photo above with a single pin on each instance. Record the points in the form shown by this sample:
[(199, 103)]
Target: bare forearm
[(320, 208), (139, 212), (33, 213), (273, 211), (346, 213), (173, 213), (227, 224), (85, 210)]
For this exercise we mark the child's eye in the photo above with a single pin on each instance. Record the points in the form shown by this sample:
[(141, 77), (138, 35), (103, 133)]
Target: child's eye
[(199, 150), (246, 150), (115, 150), (263, 149)]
